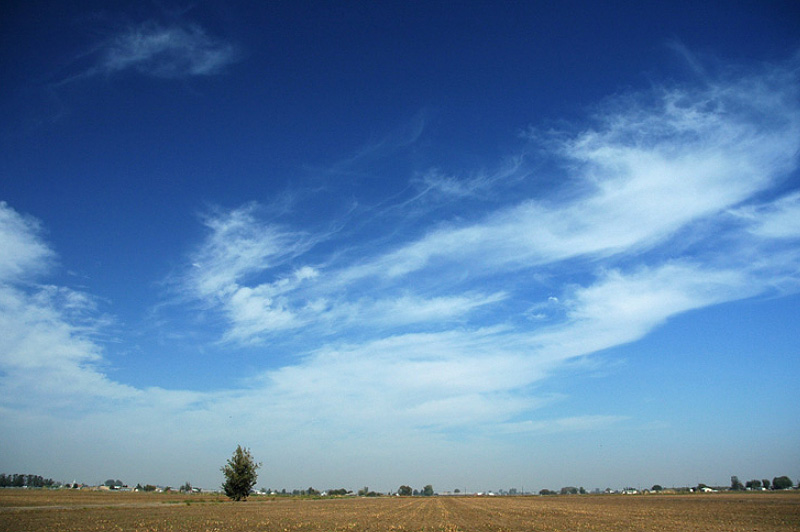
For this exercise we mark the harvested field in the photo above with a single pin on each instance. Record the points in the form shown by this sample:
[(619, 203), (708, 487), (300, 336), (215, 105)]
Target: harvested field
[(63, 510)]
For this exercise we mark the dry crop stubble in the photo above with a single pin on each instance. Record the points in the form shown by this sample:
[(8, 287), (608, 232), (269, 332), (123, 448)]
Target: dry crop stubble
[(40, 510)]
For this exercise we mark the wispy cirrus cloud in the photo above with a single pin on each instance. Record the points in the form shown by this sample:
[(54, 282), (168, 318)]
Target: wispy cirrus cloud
[(649, 168), (644, 217), (779, 219), (441, 186), (162, 51), (166, 52), (240, 249), (238, 246)]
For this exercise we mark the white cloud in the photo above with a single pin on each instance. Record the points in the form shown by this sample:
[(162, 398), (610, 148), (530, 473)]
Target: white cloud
[(253, 311), (413, 309), (481, 378), (619, 308), (567, 424), (779, 219), (649, 295), (647, 170), (459, 376), (238, 246), (408, 382), (24, 253), (435, 183), (46, 332), (165, 52)]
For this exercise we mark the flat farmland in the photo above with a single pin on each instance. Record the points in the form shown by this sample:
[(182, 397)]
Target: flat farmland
[(64, 510)]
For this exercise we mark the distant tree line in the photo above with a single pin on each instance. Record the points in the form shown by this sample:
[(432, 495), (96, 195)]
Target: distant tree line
[(32, 481), (427, 491), (778, 483), (567, 490)]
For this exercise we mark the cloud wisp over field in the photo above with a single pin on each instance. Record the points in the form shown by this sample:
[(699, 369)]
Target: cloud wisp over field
[(572, 308)]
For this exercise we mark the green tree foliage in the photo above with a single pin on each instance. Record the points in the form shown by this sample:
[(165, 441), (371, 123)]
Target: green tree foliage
[(735, 484), (240, 474), (427, 491), (766, 483), (186, 488), (404, 491), (656, 487), (32, 481), (782, 483)]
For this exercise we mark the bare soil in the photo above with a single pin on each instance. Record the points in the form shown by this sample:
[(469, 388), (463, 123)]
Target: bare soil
[(72, 510)]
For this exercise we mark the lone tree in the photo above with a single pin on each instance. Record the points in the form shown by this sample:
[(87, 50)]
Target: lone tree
[(240, 474)]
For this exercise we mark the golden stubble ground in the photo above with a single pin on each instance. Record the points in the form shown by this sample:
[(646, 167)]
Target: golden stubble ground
[(65, 510)]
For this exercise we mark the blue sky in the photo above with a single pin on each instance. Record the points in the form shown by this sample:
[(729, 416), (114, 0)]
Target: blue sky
[(480, 246)]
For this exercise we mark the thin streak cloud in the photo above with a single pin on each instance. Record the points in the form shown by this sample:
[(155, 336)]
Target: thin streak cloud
[(151, 49), (648, 170), (167, 52)]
